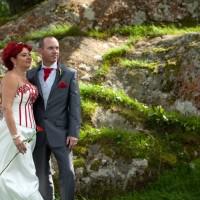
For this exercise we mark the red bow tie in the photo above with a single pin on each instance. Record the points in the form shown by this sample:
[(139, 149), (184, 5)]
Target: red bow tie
[(47, 71)]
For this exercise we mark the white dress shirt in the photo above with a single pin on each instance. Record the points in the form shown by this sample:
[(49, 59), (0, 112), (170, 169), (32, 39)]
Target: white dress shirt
[(46, 85)]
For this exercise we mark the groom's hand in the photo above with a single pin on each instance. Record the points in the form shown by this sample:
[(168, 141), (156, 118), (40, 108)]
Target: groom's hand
[(71, 142)]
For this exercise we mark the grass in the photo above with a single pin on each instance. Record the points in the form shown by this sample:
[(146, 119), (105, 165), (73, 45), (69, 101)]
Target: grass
[(103, 93), (182, 183), (151, 30), (114, 53), (127, 144), (139, 32), (138, 63), (162, 149), (108, 58), (59, 31), (144, 30), (154, 115), (170, 140), (134, 32)]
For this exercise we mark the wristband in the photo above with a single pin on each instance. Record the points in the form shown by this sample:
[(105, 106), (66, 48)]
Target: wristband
[(15, 136)]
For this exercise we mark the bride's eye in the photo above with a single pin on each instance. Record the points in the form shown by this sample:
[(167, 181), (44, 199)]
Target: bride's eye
[(25, 54)]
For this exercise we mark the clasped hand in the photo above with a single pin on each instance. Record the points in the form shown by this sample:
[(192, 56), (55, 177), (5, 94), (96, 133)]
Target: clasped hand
[(71, 142), (20, 145)]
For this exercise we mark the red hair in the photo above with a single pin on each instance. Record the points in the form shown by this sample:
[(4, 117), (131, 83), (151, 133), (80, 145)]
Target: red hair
[(12, 50)]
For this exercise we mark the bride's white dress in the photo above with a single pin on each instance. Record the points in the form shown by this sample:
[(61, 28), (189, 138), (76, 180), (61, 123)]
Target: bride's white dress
[(19, 181)]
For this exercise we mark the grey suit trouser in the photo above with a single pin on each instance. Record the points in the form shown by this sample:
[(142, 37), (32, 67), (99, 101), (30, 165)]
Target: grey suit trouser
[(64, 157)]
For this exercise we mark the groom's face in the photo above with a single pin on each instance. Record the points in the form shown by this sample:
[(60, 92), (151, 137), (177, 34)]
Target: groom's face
[(50, 51)]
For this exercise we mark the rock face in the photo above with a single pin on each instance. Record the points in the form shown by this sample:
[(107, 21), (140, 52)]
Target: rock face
[(101, 14), (18, 5), (106, 175), (174, 80)]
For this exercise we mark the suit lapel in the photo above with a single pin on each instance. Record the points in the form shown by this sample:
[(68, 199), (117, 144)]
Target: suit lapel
[(57, 78), (37, 81)]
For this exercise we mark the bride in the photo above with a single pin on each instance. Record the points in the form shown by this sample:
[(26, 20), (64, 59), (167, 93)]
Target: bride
[(18, 180)]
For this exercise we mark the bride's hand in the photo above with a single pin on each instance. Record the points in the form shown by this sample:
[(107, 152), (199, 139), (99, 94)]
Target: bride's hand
[(20, 145)]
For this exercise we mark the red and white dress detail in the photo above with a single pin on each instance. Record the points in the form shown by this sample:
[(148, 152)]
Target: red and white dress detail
[(23, 105), (19, 180)]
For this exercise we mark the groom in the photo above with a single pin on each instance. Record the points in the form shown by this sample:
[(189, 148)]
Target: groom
[(57, 111)]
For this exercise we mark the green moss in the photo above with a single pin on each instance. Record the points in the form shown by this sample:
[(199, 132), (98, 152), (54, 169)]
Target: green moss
[(193, 44), (102, 72), (107, 151), (168, 158), (108, 95), (100, 34), (162, 50), (116, 52), (96, 165), (80, 162), (130, 115), (171, 63), (172, 66), (138, 63), (158, 50), (88, 107), (59, 31), (80, 150)]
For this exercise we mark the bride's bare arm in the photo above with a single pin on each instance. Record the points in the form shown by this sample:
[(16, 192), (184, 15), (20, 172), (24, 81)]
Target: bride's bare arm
[(9, 88)]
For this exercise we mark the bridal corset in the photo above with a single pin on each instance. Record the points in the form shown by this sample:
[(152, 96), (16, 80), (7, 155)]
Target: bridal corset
[(22, 107)]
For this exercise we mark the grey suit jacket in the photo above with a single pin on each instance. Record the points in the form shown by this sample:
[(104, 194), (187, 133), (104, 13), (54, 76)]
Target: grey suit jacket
[(62, 116)]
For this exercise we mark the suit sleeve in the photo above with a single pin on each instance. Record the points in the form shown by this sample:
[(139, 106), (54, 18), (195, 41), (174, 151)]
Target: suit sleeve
[(74, 107), (30, 76)]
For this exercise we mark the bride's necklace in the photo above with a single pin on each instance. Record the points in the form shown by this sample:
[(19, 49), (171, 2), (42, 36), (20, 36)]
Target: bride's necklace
[(23, 75)]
